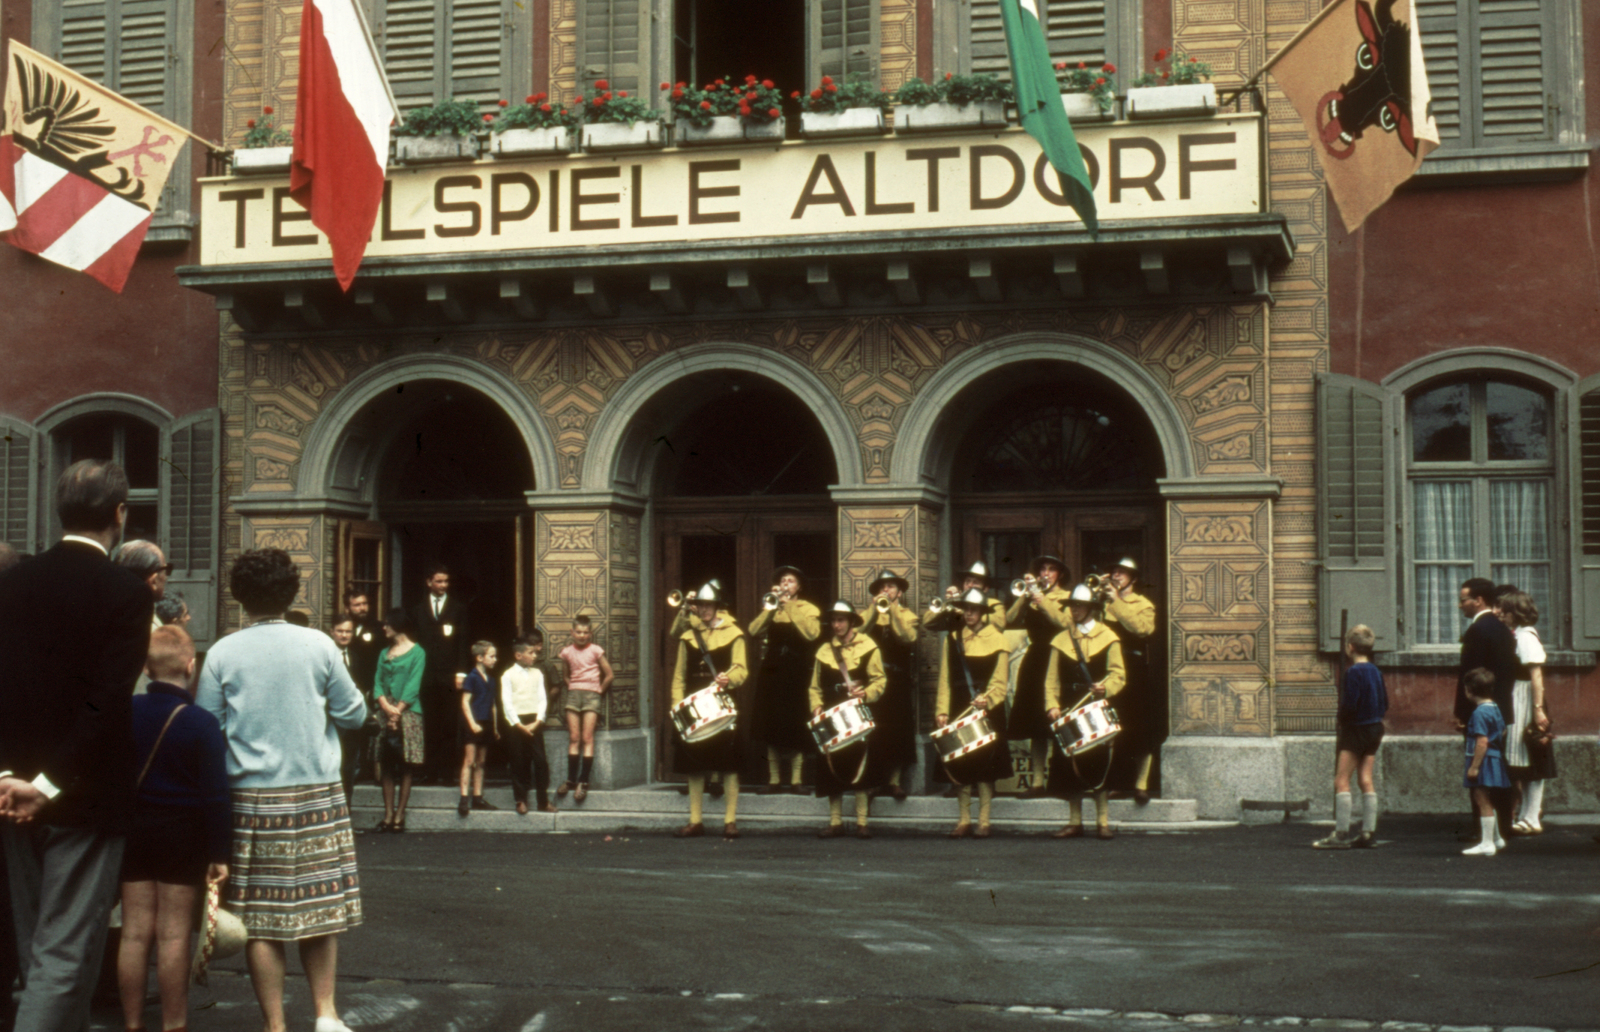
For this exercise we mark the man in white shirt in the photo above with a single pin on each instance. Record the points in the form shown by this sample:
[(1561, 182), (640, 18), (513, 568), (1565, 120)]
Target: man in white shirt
[(524, 702)]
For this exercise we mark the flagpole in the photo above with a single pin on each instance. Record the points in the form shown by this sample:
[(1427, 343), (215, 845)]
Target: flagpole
[(1313, 23)]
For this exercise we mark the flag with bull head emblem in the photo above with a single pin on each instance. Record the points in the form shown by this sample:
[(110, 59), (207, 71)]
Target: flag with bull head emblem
[(81, 168), (1356, 77)]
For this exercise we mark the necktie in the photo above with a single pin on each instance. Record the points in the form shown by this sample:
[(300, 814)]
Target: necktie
[(346, 654), (438, 603)]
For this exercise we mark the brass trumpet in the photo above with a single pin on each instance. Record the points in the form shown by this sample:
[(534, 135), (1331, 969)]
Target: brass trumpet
[(1101, 585), (773, 598), (1024, 585), (882, 603), (938, 605), (674, 599)]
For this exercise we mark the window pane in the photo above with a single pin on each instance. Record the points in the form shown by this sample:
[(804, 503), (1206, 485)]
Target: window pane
[(141, 525), (1519, 519), (1441, 530), (140, 454), (1519, 423), (1534, 578), (90, 438), (1441, 427)]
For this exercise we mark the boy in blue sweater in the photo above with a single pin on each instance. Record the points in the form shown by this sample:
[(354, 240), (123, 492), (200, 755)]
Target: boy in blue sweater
[(1363, 701)]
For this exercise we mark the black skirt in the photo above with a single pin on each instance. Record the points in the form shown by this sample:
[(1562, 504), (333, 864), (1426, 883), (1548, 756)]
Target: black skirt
[(1078, 775), (719, 754), (1027, 707)]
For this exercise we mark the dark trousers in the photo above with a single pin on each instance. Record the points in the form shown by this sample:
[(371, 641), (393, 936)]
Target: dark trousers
[(8, 949), (354, 758), (530, 768), (63, 882)]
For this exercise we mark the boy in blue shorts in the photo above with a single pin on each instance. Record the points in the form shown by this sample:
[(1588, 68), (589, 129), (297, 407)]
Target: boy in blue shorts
[(1363, 701)]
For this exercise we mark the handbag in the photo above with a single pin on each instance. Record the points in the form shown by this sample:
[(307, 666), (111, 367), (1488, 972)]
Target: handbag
[(1535, 737)]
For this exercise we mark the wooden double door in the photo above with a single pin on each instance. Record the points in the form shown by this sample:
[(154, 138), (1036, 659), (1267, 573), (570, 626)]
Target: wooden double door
[(740, 542)]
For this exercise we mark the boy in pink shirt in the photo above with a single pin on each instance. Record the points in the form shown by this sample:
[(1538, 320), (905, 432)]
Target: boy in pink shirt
[(588, 677)]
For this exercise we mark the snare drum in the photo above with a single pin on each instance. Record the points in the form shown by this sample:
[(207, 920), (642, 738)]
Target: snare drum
[(842, 726), (1089, 725), (707, 712), (965, 736)]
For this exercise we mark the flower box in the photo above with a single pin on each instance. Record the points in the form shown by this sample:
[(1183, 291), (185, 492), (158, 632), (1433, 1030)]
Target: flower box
[(557, 139), (1190, 100), (1083, 107), (420, 150), (726, 129), (260, 161), (938, 118), (866, 121), (619, 136)]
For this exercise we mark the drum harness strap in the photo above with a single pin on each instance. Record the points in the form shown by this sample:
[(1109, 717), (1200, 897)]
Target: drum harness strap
[(972, 691), (1111, 747), (849, 687), (705, 657)]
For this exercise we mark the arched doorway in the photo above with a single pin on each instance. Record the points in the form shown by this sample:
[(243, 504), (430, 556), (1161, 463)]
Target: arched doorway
[(738, 473), (1066, 464), (443, 471)]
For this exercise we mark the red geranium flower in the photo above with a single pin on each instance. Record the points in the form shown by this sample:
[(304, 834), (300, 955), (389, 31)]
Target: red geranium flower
[(773, 112), (488, 118), (677, 94), (1082, 65), (546, 108), (816, 94), (952, 75), (1192, 61), (744, 109), (601, 84), (831, 88), (624, 93), (1166, 75), (504, 103), (749, 78), (530, 99), (681, 85), (1100, 81), (1061, 66), (266, 109), (251, 124), (717, 82), (766, 84), (1161, 55), (827, 80), (666, 86), (1109, 69), (705, 105), (598, 102)]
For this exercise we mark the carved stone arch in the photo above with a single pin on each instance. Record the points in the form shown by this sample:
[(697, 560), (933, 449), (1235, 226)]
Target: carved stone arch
[(328, 431), (931, 433), (618, 450)]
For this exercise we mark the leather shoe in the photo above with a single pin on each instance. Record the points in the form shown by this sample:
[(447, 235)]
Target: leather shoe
[(899, 794), (862, 832), (548, 808), (1104, 833), (1141, 798), (961, 831), (582, 792), (832, 831), (522, 809), (567, 786), (690, 831), (730, 830), (1070, 831), (982, 832)]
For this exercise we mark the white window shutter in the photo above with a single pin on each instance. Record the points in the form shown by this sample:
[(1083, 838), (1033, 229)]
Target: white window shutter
[(1355, 523), (1586, 524)]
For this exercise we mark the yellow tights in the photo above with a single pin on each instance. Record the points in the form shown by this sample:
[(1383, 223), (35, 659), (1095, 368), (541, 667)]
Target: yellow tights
[(964, 803), (1102, 809), (836, 809), (697, 795), (775, 767)]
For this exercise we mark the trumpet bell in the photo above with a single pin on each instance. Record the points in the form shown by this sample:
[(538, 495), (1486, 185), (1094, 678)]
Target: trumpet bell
[(1020, 587), (674, 599), (881, 604), (771, 599), (937, 605)]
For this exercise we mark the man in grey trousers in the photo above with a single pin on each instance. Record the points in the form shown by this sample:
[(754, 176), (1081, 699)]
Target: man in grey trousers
[(74, 633)]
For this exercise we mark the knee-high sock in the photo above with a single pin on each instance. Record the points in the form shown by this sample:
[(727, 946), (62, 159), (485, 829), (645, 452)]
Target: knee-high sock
[(585, 769), (730, 797), (964, 804), (697, 797), (985, 800), (1341, 812), (572, 767), (863, 804), (836, 809), (1075, 810), (1142, 783), (1489, 830), (1102, 808), (1533, 802), (774, 772), (795, 763), (1369, 812), (1038, 754)]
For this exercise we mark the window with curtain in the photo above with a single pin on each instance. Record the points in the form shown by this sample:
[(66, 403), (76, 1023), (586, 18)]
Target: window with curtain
[(1481, 483)]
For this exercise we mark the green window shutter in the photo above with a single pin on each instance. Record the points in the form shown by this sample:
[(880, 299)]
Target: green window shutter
[(1442, 52), (1586, 546), (846, 38), (1511, 71), (1075, 29), (1355, 526), (16, 485), (476, 52), (614, 44), (411, 52), (87, 44), (192, 516)]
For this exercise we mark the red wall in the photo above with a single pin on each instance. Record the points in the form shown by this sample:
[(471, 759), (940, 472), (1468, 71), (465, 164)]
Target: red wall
[(66, 335)]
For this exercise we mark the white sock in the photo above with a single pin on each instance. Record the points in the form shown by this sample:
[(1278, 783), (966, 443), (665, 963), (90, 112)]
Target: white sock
[(1369, 812), (1533, 802), (1487, 846), (1341, 813)]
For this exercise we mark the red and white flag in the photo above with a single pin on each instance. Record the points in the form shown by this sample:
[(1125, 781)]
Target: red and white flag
[(341, 130), (81, 168)]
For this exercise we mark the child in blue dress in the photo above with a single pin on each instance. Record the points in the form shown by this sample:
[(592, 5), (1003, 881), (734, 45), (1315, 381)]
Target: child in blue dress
[(1485, 758)]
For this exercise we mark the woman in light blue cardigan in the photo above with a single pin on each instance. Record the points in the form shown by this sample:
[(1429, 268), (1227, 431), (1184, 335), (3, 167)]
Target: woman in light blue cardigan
[(281, 692)]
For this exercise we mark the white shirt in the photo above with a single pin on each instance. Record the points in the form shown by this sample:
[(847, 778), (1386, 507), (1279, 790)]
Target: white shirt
[(522, 693)]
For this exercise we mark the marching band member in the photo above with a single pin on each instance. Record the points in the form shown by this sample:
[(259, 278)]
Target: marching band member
[(1133, 617), (791, 625), (849, 666), (713, 654), (895, 631), (976, 576), (683, 618), (1042, 610), (974, 666), (1087, 647)]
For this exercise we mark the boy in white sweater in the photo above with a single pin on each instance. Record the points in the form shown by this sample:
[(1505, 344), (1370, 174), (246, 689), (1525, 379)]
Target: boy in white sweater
[(524, 703)]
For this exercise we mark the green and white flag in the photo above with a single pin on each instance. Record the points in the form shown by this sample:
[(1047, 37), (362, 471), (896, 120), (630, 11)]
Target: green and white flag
[(1033, 77)]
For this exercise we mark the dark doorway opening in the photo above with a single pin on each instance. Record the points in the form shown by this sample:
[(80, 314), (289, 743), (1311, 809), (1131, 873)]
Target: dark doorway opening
[(724, 39)]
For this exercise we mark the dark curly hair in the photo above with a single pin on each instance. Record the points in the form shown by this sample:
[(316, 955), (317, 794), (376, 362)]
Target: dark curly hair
[(264, 581), (400, 622)]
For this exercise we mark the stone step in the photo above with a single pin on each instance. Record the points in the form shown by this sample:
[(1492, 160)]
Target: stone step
[(664, 804)]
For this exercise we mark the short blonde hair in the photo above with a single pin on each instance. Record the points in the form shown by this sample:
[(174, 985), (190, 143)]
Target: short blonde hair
[(1362, 639), (171, 651), (481, 649)]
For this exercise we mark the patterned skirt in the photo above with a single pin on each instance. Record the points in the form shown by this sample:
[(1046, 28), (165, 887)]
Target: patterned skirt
[(293, 871)]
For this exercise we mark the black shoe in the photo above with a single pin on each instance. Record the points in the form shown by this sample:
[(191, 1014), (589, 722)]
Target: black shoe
[(1036, 792), (775, 789), (1141, 797), (1366, 840), (899, 794), (480, 803), (464, 807)]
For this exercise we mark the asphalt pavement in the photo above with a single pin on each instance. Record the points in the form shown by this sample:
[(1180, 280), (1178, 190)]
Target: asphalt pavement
[(911, 930)]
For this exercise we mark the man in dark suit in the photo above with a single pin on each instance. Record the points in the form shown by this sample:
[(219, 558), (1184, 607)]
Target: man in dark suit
[(74, 632), (367, 642), (1490, 644), (441, 622)]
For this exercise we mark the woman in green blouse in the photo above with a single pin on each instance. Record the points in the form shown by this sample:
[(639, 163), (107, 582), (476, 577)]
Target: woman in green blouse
[(398, 690)]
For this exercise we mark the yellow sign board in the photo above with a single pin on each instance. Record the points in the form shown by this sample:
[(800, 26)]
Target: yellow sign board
[(1168, 170)]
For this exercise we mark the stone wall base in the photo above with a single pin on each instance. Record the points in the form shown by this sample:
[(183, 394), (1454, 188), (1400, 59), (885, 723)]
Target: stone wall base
[(1413, 774), (621, 758)]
